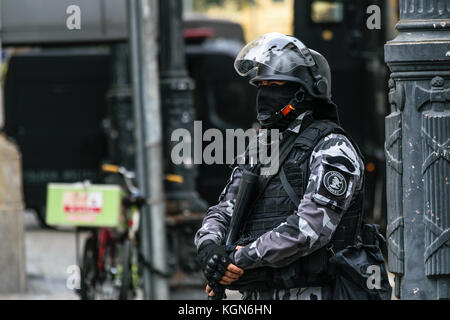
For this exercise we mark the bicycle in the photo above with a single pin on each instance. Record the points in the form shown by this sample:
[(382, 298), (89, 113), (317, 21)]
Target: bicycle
[(111, 266)]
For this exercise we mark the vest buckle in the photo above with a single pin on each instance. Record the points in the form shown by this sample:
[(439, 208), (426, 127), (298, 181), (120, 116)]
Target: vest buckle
[(329, 248)]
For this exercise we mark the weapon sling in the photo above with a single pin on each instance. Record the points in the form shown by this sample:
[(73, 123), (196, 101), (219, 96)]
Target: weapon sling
[(288, 188)]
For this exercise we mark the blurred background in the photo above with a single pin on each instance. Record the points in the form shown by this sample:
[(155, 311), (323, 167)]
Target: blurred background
[(68, 107)]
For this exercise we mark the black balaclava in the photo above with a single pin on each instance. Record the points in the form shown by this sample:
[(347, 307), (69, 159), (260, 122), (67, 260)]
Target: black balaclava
[(271, 100)]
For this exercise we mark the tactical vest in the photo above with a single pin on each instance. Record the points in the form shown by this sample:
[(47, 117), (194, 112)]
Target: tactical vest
[(273, 206)]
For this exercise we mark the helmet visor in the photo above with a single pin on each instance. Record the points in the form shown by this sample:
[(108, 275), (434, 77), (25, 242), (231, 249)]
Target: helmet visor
[(274, 50)]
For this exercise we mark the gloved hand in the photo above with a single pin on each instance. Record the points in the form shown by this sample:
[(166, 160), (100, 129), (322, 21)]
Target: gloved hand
[(214, 261), (217, 265), (232, 273)]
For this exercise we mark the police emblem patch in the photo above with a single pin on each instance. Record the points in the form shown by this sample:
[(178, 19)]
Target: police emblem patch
[(335, 183)]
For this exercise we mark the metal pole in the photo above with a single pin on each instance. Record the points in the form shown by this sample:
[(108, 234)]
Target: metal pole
[(177, 104), (144, 50), (153, 144), (135, 44), (418, 151)]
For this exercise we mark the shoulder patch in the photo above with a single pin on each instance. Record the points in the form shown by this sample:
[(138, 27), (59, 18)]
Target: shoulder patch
[(335, 183)]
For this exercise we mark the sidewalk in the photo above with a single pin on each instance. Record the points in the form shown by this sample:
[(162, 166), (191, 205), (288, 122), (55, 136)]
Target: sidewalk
[(48, 254)]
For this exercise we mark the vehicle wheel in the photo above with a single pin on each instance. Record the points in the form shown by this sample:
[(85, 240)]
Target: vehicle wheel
[(89, 270)]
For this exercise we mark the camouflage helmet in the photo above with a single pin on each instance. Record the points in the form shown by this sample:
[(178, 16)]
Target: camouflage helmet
[(275, 56)]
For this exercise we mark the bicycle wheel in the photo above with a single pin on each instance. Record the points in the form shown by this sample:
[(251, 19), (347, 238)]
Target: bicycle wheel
[(89, 270), (127, 288), (108, 284)]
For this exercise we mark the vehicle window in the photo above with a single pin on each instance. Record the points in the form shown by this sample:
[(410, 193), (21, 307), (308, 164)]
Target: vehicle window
[(327, 12)]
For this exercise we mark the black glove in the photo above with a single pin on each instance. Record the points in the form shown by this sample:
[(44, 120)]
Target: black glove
[(214, 260)]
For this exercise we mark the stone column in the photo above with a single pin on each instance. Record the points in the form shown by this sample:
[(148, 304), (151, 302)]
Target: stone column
[(418, 150)]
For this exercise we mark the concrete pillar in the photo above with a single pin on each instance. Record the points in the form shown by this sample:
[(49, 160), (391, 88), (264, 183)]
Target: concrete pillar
[(12, 247), (12, 242)]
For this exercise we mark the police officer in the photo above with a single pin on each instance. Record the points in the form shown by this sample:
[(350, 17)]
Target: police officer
[(311, 207)]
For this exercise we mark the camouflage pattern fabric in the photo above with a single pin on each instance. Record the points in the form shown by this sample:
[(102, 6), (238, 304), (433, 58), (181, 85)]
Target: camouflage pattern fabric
[(336, 173), (312, 293)]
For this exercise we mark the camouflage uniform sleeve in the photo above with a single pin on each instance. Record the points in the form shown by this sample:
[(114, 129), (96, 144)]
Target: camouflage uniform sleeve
[(336, 172), (217, 219)]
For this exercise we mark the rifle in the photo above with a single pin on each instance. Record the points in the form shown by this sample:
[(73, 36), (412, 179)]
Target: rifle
[(244, 199)]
